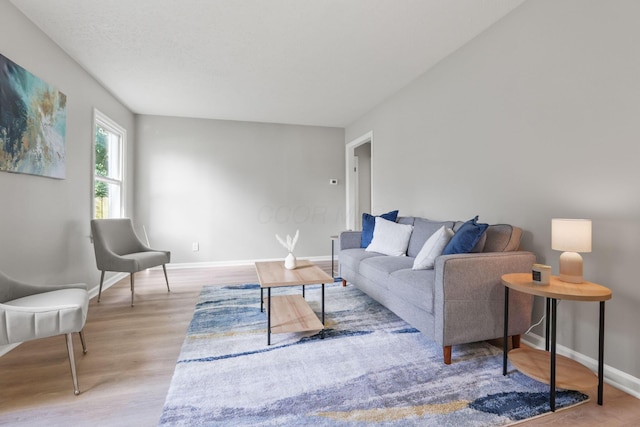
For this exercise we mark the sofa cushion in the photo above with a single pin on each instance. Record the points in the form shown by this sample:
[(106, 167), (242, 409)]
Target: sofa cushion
[(380, 267), (406, 220), (465, 239), (413, 286), (369, 223), (432, 248), (390, 238), (352, 257), (423, 229), (502, 238)]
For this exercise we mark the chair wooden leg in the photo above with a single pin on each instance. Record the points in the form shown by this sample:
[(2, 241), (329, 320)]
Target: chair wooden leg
[(72, 363), (100, 290), (164, 267), (447, 354), (515, 341), (344, 283), (132, 287)]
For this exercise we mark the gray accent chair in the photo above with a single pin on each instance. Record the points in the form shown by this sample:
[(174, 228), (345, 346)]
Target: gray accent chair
[(119, 249), (29, 312)]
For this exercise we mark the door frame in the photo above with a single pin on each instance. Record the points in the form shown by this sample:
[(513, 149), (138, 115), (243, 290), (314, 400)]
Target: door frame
[(351, 179)]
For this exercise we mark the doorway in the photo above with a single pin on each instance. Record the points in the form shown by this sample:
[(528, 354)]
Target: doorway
[(359, 155)]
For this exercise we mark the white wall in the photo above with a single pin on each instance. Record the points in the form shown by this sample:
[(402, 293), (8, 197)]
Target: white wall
[(534, 119), (231, 186), (363, 153), (44, 223)]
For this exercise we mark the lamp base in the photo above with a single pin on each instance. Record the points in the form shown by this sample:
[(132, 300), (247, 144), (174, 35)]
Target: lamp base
[(571, 267)]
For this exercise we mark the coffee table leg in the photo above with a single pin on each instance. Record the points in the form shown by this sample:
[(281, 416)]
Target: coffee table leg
[(261, 300), (302, 291), (268, 316), (323, 304)]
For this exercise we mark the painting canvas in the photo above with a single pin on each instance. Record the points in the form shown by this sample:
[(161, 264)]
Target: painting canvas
[(33, 121)]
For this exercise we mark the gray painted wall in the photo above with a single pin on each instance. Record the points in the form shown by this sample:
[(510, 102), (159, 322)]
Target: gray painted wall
[(536, 118), (231, 186), (44, 223)]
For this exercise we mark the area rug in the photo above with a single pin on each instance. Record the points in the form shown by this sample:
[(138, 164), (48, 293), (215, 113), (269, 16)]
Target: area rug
[(369, 368)]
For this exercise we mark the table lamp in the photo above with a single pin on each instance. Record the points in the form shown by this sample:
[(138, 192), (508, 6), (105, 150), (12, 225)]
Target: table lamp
[(571, 236)]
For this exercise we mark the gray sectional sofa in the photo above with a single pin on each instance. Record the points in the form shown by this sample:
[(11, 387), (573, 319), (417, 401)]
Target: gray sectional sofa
[(460, 300)]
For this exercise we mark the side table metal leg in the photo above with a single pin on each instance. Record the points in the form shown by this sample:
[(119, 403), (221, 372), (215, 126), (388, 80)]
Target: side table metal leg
[(547, 324), (302, 291), (601, 355), (261, 300), (506, 330), (552, 385)]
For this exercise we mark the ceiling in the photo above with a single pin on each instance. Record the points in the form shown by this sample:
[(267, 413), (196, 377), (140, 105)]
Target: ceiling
[(309, 62)]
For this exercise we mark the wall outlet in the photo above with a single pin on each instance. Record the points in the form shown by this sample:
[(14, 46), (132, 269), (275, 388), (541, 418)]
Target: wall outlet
[(195, 246)]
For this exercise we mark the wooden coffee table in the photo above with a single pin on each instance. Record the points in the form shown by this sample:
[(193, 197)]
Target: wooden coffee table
[(290, 313)]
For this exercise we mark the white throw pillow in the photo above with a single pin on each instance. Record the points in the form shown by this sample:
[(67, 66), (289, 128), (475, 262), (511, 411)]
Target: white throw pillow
[(390, 238), (432, 248)]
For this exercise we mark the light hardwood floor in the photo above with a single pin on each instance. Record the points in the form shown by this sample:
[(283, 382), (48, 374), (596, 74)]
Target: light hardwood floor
[(132, 351)]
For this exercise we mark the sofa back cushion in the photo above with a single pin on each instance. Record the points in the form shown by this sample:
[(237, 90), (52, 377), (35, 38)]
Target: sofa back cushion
[(497, 238), (502, 238), (423, 229)]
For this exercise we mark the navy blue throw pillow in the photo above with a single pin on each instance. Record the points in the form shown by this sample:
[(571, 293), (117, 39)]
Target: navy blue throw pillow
[(466, 237), (368, 224)]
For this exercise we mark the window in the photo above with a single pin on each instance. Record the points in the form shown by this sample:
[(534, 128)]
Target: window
[(108, 188)]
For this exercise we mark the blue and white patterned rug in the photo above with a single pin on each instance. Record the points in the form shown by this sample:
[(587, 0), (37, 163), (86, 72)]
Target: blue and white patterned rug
[(372, 368)]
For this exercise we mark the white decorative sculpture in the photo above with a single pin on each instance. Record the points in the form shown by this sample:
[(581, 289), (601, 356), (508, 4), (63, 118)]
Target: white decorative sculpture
[(290, 244)]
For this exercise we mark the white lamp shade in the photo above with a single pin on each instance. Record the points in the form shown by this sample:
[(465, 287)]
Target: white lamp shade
[(571, 235)]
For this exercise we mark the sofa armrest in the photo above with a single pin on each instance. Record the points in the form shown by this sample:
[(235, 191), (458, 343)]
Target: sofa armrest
[(350, 239), (469, 296)]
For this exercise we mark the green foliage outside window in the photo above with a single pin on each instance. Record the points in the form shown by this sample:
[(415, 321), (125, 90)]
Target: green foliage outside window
[(102, 159)]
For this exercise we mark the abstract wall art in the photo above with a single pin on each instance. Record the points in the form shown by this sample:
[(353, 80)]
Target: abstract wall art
[(33, 121)]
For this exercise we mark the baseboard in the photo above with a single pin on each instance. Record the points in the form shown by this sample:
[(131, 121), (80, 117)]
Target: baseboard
[(236, 263), (4, 349), (93, 292), (612, 376)]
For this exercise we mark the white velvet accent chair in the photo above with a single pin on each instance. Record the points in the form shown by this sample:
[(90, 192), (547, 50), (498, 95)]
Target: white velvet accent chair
[(29, 312), (118, 248)]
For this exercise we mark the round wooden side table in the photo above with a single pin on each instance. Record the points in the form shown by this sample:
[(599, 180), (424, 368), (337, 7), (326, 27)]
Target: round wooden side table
[(541, 364)]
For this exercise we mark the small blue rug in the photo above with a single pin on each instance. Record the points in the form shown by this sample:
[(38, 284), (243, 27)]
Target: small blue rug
[(371, 369)]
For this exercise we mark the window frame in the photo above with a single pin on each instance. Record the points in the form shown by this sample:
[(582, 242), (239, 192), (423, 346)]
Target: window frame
[(104, 121)]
